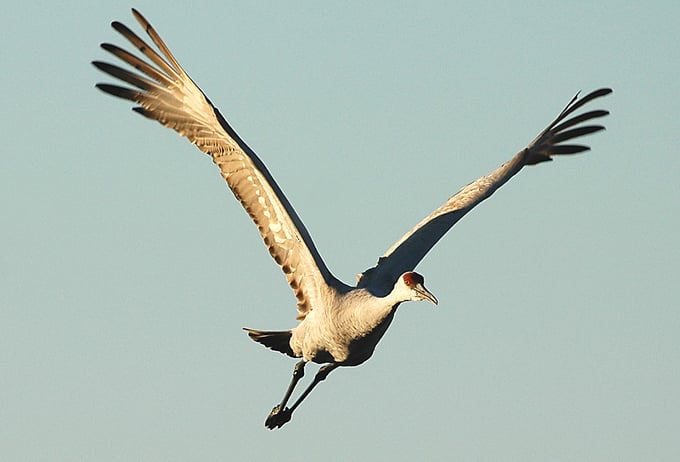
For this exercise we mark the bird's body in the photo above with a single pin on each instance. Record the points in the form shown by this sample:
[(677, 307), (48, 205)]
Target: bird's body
[(345, 331), (346, 328), (339, 324)]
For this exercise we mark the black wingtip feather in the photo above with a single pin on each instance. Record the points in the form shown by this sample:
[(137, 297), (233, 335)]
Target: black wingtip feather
[(580, 118), (576, 132), (120, 92), (108, 47), (569, 149), (144, 112), (603, 92), (124, 75), (122, 29)]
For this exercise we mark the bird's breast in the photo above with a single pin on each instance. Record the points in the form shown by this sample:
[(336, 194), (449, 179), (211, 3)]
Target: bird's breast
[(345, 337)]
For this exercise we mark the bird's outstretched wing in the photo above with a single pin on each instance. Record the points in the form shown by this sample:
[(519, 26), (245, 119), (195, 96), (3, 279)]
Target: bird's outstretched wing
[(164, 92), (408, 251)]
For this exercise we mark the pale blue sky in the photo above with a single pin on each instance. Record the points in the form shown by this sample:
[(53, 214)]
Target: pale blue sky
[(128, 269)]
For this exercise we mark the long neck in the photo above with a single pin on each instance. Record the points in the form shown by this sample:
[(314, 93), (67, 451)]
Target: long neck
[(365, 312)]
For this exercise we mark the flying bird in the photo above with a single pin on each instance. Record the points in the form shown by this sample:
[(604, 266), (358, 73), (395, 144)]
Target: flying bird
[(338, 324)]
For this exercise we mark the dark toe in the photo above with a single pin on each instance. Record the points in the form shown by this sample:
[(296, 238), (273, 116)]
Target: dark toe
[(277, 417)]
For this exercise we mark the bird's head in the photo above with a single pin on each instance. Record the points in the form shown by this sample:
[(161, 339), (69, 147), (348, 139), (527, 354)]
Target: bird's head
[(412, 286)]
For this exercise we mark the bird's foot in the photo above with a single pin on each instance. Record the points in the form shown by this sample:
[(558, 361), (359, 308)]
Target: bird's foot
[(278, 417)]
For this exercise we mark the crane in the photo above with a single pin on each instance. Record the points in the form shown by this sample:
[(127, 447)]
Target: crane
[(338, 324)]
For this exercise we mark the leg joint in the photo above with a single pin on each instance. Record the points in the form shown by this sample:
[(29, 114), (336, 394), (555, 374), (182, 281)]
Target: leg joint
[(324, 371), (299, 370)]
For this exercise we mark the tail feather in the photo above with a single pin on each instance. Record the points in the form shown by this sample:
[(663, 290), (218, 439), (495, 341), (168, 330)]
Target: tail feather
[(276, 340)]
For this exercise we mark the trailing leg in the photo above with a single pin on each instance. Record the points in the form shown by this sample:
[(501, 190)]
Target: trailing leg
[(318, 378), (280, 414)]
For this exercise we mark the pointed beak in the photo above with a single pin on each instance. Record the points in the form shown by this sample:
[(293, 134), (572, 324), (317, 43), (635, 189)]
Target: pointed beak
[(425, 294)]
